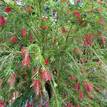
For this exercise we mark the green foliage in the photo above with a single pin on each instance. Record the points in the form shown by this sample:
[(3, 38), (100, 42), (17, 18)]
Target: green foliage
[(55, 38)]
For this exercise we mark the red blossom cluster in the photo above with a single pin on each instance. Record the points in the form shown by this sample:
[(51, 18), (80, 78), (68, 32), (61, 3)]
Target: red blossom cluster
[(77, 14), (2, 21), (8, 9), (37, 86), (23, 32), (88, 40), (26, 57), (2, 104), (13, 39), (45, 76)]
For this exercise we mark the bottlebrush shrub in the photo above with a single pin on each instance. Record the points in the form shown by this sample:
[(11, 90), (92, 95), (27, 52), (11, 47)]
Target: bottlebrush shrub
[(53, 53)]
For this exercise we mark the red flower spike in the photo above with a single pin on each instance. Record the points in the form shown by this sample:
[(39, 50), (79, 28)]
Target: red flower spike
[(2, 21), (7, 9), (46, 61), (13, 39), (2, 104), (88, 86), (23, 32), (26, 60), (45, 75), (28, 104), (77, 86), (77, 14), (69, 105), (81, 96), (37, 86), (24, 51), (47, 104), (88, 40), (12, 79)]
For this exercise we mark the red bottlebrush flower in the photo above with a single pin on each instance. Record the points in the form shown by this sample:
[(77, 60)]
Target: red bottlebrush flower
[(7, 9), (24, 50), (77, 14), (88, 86), (81, 96), (2, 104), (26, 60), (45, 75), (13, 39), (88, 40), (46, 61), (28, 104), (47, 104), (77, 86), (69, 105), (12, 79), (44, 27), (2, 21), (103, 40), (23, 32), (37, 86)]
